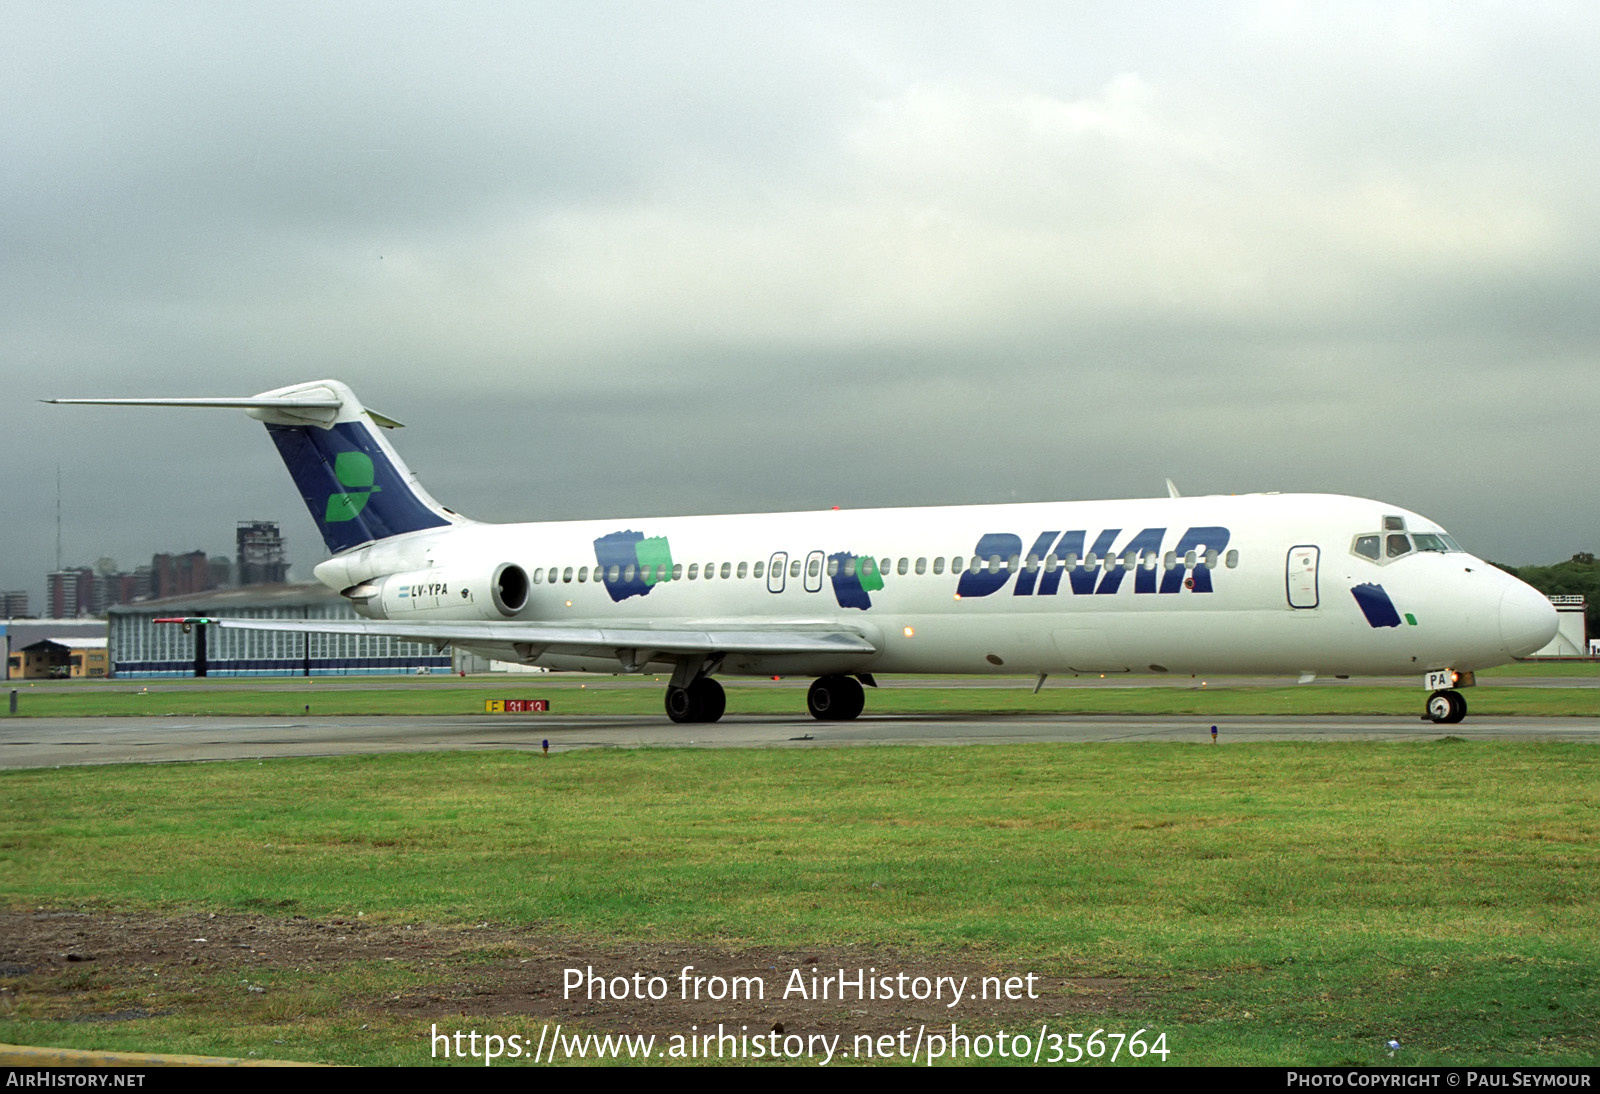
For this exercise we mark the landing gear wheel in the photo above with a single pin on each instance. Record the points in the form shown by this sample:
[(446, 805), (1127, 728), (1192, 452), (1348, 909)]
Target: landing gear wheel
[(702, 701), (681, 706), (835, 698), (710, 697), (1446, 707)]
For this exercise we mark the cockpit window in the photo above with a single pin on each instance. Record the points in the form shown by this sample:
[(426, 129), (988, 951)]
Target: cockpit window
[(1396, 542)]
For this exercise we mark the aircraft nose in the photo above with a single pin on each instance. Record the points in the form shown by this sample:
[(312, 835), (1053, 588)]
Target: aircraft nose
[(1527, 620)]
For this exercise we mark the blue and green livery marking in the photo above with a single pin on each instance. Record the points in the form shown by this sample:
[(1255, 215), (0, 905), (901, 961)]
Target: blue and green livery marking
[(355, 474), (854, 576), (636, 561), (354, 492)]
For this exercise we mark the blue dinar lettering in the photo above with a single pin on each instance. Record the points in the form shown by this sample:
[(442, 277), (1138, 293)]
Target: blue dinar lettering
[(1145, 581), (1198, 540), (976, 582), (1025, 576)]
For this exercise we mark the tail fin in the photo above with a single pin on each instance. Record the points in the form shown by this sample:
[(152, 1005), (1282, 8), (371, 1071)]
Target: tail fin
[(355, 485)]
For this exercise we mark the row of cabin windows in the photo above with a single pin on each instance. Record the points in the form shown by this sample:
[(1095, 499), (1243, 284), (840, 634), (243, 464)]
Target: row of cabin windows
[(867, 567)]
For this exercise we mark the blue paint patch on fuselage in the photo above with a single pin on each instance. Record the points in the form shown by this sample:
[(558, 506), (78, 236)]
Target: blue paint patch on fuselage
[(620, 550), (847, 588), (1376, 605)]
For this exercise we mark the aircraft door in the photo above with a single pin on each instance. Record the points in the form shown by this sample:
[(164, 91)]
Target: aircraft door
[(776, 567), (1301, 577), (813, 572)]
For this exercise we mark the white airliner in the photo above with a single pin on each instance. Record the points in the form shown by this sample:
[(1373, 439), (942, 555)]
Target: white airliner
[(1299, 584)]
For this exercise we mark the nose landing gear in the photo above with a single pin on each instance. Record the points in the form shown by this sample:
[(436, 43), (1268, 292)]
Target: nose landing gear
[(1446, 707)]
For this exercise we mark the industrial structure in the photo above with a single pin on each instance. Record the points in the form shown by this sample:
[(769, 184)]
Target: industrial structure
[(142, 647)]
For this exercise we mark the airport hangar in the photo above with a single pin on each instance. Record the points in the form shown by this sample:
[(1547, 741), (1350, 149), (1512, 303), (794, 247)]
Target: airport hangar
[(142, 647)]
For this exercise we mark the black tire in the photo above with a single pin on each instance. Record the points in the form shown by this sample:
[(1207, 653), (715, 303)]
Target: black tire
[(835, 698), (1446, 707), (1439, 707), (681, 705), (709, 698)]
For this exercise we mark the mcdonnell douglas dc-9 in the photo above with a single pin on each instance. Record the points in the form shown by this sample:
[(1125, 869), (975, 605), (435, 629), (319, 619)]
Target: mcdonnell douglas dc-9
[(1300, 584)]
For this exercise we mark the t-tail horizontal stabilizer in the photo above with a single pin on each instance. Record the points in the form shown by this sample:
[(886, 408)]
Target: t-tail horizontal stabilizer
[(354, 483)]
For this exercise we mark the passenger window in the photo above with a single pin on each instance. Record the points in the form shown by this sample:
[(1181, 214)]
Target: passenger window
[(903, 567), (744, 568), (727, 570), (538, 576), (1398, 545), (694, 570), (566, 575), (1169, 560), (1233, 560), (814, 568), (833, 567), (583, 573), (883, 567), (1012, 563), (938, 565), (677, 571), (922, 566), (956, 564), (794, 568), (850, 567), (761, 568)]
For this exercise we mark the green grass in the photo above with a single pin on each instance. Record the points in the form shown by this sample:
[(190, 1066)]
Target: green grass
[(1275, 903), (607, 696)]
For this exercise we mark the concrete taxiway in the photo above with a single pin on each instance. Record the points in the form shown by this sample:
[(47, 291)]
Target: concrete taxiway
[(48, 742)]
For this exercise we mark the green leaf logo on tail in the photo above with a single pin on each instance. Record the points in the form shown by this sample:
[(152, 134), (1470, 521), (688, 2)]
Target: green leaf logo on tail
[(354, 472)]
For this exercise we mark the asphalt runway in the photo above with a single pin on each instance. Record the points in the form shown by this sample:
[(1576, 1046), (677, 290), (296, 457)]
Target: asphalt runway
[(50, 742)]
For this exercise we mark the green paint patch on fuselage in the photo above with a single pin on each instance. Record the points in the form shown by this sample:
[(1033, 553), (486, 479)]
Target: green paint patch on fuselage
[(655, 557)]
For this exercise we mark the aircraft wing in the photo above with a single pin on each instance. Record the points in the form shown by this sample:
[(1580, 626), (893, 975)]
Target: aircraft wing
[(631, 645)]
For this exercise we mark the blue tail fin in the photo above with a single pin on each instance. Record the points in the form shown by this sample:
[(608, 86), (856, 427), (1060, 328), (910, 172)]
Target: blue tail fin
[(357, 488)]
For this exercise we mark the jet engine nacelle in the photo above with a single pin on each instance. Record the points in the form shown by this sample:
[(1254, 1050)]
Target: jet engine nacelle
[(461, 592)]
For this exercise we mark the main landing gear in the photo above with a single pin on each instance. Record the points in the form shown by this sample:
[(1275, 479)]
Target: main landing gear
[(1446, 707), (831, 698), (835, 698), (702, 701)]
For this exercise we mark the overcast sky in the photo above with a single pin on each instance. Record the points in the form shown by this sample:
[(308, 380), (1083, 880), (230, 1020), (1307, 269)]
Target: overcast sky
[(621, 259)]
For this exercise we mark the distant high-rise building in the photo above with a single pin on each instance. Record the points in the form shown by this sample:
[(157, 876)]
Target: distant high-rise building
[(71, 593), (260, 554), (13, 604), (179, 575)]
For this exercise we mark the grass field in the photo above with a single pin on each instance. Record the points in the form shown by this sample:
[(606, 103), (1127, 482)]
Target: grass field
[(1270, 904), (609, 695)]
